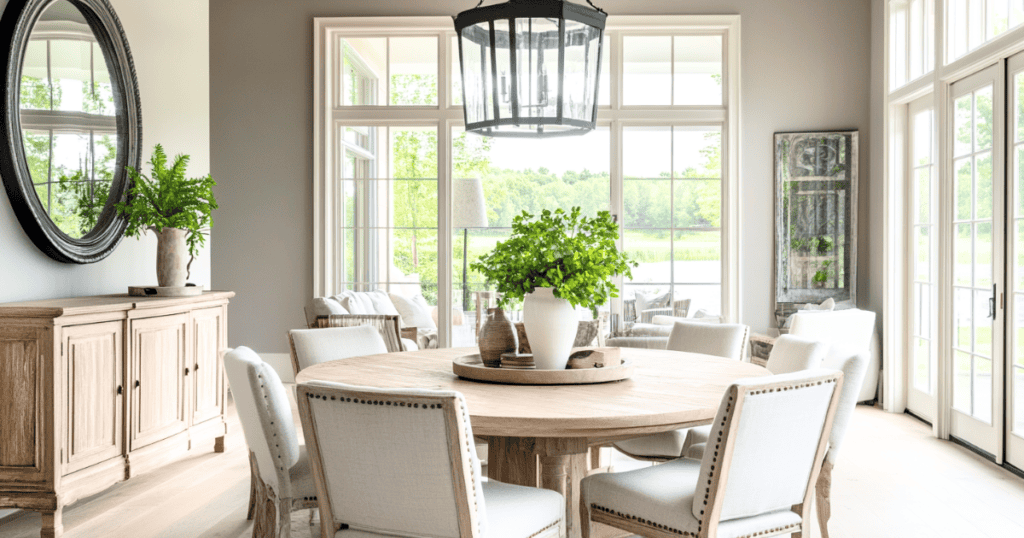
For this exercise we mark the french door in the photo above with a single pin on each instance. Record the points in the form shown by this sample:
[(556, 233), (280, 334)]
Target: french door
[(977, 109), (1014, 368)]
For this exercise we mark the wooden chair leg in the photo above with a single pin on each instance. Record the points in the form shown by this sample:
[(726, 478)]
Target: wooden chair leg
[(252, 486), (823, 497), (284, 518), (584, 519)]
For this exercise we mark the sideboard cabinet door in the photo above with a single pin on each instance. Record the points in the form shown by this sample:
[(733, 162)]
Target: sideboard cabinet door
[(26, 375), (159, 357), (207, 377), (93, 381)]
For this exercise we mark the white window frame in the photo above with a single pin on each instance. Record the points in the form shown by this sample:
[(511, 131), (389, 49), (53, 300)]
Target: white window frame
[(328, 30)]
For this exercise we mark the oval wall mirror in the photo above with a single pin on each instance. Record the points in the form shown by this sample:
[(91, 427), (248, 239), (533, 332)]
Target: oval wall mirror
[(71, 123)]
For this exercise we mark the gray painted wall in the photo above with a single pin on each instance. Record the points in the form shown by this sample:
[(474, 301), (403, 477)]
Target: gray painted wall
[(805, 66), (171, 51)]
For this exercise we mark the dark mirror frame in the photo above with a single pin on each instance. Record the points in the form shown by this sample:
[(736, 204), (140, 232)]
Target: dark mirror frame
[(16, 24)]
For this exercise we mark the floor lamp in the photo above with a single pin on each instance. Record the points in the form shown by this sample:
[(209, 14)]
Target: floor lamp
[(468, 211)]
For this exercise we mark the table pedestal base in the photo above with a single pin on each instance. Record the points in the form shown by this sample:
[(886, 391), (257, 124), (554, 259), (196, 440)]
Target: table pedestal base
[(553, 463)]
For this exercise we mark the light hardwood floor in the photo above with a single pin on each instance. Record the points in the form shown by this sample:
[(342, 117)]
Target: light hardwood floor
[(892, 480)]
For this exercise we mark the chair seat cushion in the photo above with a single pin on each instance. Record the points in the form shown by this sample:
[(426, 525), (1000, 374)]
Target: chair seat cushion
[(519, 511), (663, 495), (659, 445), (301, 475)]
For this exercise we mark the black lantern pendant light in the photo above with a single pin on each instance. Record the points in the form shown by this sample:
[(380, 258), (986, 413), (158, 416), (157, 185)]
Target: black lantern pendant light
[(530, 68)]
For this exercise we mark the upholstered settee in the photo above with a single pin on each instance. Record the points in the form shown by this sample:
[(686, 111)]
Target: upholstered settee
[(415, 323), (654, 335)]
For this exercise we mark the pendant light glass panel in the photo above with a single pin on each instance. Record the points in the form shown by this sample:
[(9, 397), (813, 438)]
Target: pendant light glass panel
[(531, 69)]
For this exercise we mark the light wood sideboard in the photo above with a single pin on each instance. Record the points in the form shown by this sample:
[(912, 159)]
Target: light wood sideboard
[(95, 390)]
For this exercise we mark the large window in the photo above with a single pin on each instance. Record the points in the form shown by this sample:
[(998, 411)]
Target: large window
[(399, 182)]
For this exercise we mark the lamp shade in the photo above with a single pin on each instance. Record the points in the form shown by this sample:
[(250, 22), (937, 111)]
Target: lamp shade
[(469, 210), (530, 68)]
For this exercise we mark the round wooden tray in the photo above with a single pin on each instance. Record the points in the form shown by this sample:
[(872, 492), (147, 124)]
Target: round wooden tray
[(472, 367)]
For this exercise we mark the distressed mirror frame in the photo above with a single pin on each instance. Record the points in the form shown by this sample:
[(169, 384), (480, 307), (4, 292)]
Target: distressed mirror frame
[(16, 24), (822, 177)]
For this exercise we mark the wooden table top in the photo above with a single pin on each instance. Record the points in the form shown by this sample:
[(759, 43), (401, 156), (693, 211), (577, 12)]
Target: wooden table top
[(668, 390)]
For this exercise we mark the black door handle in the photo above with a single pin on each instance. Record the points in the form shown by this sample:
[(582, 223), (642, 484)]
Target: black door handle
[(992, 303)]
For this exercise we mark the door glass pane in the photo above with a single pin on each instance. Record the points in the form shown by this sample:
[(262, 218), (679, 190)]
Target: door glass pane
[(964, 255), (983, 255), (982, 323), (983, 119), (964, 186), (963, 318), (962, 128), (983, 186)]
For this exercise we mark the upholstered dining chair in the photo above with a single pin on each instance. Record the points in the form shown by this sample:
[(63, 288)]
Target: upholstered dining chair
[(770, 437), (848, 332), (720, 340), (854, 368), (314, 346), (789, 354), (283, 479), (399, 462)]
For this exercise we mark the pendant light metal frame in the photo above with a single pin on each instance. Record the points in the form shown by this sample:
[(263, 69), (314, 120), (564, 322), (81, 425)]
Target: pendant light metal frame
[(512, 10)]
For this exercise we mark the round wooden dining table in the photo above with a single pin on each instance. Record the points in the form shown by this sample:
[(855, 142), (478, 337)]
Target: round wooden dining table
[(540, 435)]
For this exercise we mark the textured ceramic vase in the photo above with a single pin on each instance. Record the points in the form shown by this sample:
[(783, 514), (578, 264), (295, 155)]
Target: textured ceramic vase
[(551, 325), (497, 336), (171, 258)]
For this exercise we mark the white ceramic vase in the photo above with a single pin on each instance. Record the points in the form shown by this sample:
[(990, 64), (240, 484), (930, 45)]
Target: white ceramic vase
[(551, 324), (171, 258)]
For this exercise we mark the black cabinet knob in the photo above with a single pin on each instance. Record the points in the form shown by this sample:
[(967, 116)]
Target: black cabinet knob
[(137, 383), (186, 371), (196, 369), (120, 390)]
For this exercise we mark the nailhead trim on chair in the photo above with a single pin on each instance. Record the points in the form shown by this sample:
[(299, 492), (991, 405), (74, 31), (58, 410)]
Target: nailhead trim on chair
[(266, 398), (642, 520), (538, 533), (659, 526)]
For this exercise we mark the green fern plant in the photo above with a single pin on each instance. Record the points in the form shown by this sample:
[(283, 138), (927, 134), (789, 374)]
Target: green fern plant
[(167, 199)]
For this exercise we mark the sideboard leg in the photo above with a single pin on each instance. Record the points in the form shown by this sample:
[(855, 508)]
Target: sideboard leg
[(53, 524), (218, 445)]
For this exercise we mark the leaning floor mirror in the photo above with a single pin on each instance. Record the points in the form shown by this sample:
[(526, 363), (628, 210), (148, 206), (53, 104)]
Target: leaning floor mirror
[(815, 220)]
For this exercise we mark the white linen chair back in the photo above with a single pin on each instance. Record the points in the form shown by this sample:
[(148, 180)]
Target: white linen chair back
[(849, 329), (793, 354), (767, 442), (722, 340), (266, 416), (393, 461), (315, 346)]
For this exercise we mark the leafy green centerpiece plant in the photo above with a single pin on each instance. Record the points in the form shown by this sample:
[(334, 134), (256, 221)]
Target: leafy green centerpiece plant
[(555, 263), (176, 208)]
